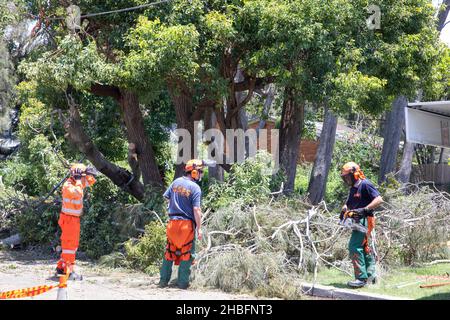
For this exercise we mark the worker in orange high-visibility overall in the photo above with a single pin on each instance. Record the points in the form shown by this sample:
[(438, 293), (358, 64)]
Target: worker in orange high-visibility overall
[(184, 197), (71, 211)]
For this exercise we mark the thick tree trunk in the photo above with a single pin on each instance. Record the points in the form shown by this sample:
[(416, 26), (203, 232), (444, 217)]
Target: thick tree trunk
[(292, 119), (144, 160), (236, 119), (134, 122), (241, 118), (405, 169), (210, 120), (392, 134), (119, 176), (319, 174), (183, 110)]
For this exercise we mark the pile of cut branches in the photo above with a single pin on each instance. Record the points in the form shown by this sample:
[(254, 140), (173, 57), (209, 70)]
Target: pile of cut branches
[(256, 248)]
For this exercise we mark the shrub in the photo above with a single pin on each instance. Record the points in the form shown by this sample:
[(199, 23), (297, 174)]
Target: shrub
[(38, 226), (99, 235), (147, 253), (249, 181)]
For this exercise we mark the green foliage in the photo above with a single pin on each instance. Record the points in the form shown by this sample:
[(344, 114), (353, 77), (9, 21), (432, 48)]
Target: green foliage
[(249, 181), (438, 88), (160, 51), (73, 64), (101, 226), (36, 167), (147, 253), (99, 117), (7, 80), (302, 176), (42, 175), (99, 235), (353, 90), (309, 127), (10, 12), (159, 115), (38, 226), (362, 148)]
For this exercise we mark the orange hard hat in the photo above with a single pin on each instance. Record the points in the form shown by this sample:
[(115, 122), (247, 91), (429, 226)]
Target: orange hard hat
[(75, 166), (353, 169), (349, 167), (194, 164)]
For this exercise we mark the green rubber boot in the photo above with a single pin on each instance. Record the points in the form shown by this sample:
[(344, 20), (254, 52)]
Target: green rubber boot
[(184, 271), (165, 273)]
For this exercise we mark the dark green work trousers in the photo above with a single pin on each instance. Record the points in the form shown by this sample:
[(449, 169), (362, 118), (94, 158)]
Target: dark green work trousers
[(363, 262)]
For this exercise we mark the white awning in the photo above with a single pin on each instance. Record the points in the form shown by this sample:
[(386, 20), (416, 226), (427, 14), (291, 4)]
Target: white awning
[(428, 123), (440, 107)]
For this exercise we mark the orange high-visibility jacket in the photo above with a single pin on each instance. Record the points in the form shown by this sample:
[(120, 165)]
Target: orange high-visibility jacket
[(72, 195)]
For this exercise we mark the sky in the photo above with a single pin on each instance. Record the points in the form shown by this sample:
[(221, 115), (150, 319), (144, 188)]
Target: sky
[(445, 34)]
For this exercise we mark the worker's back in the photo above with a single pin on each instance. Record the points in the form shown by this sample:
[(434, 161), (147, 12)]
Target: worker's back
[(183, 194)]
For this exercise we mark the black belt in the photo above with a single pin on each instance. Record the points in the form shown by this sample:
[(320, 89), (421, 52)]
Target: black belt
[(182, 215)]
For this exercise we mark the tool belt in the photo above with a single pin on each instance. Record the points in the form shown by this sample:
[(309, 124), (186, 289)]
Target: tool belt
[(181, 215)]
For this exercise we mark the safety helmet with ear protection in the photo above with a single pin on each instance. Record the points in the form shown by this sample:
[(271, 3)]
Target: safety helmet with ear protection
[(88, 171), (77, 167), (195, 167), (353, 170)]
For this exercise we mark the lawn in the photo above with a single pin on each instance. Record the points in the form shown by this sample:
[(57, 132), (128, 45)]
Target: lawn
[(401, 282)]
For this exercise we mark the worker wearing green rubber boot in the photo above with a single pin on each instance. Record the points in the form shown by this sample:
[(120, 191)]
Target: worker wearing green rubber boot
[(184, 227), (363, 198)]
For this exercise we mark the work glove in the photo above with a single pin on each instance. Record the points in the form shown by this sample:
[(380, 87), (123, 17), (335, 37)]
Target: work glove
[(360, 213)]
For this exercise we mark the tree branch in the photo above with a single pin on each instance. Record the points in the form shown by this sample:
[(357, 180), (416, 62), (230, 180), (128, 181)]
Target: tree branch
[(78, 137), (202, 106), (443, 13), (105, 91), (259, 83)]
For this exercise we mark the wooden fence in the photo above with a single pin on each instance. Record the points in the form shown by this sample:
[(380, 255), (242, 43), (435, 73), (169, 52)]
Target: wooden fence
[(437, 173)]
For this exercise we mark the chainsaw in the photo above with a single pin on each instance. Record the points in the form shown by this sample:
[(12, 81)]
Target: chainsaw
[(348, 221)]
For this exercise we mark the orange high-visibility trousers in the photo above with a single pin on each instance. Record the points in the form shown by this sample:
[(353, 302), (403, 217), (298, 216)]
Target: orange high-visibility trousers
[(70, 238), (180, 237)]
